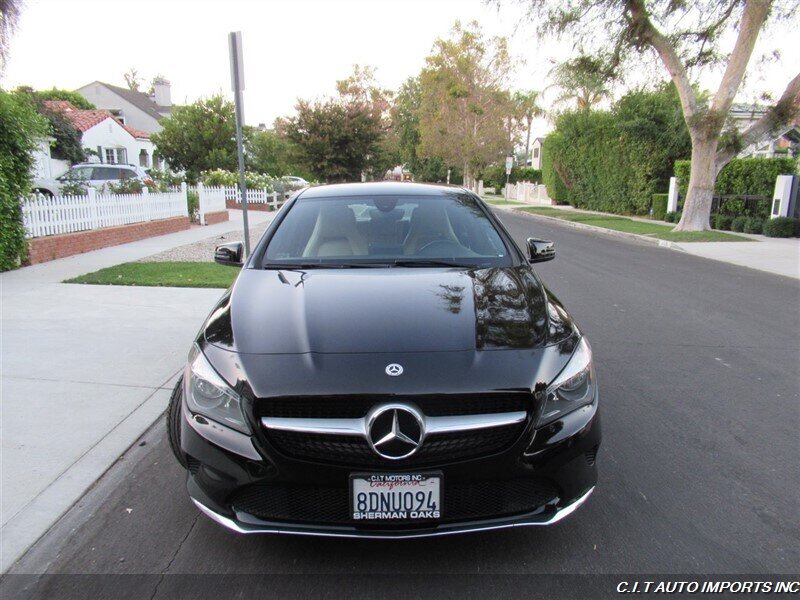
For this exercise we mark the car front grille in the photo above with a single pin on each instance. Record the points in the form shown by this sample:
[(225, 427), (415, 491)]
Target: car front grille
[(330, 505), (354, 451)]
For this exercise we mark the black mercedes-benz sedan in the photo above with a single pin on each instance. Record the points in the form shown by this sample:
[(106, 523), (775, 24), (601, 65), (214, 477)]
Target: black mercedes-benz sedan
[(387, 364)]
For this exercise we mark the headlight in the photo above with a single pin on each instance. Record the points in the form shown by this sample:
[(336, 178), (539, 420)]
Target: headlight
[(210, 396), (574, 386)]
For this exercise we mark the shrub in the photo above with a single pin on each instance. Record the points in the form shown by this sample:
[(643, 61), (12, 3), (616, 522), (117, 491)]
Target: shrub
[(20, 129), (753, 225), (72, 186), (495, 175), (742, 176), (672, 217), (124, 186), (782, 227), (193, 204), (659, 206), (221, 177), (615, 160), (556, 189), (165, 179), (738, 223), (722, 222)]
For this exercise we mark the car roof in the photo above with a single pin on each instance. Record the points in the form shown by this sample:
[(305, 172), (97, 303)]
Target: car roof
[(381, 188)]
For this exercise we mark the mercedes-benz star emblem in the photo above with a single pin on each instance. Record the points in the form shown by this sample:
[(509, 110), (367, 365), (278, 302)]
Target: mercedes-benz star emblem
[(395, 431), (393, 370)]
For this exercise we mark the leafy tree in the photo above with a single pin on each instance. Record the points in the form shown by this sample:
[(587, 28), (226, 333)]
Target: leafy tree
[(687, 38), (405, 129), (199, 137), (21, 128), (132, 79), (341, 138), (73, 98), (9, 15), (465, 110), (272, 153), (68, 144), (335, 140)]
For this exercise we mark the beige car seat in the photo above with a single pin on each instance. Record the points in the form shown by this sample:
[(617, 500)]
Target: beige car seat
[(429, 223), (336, 234)]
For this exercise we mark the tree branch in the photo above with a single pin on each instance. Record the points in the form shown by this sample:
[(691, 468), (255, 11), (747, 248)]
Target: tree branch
[(755, 14), (646, 32), (785, 111)]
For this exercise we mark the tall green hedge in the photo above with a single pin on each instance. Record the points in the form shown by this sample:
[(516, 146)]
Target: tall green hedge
[(556, 189), (660, 206), (614, 161), (495, 175), (742, 176), (20, 128)]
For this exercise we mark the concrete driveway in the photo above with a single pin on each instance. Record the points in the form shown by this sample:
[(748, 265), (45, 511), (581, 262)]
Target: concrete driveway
[(84, 371)]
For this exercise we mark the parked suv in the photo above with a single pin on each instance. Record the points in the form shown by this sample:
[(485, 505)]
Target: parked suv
[(90, 174)]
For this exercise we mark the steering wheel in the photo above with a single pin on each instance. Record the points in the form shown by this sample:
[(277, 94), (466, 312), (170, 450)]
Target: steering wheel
[(447, 247)]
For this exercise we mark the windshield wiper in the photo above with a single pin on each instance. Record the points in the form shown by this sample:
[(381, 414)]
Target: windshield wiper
[(316, 265), (407, 262)]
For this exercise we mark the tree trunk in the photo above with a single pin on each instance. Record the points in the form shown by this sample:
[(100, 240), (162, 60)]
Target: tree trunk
[(528, 143), (467, 176), (697, 206)]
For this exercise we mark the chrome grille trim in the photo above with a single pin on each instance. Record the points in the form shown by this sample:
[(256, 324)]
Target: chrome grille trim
[(358, 427)]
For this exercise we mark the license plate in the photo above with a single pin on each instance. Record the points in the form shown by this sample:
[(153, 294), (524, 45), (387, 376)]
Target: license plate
[(395, 497)]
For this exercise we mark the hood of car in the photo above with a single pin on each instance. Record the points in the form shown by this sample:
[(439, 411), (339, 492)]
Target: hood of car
[(336, 311)]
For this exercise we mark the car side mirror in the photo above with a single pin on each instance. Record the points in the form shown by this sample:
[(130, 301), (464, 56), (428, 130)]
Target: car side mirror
[(540, 250), (230, 255)]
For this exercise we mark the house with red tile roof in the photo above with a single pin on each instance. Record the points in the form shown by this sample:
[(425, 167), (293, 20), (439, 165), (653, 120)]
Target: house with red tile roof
[(103, 133), (135, 109)]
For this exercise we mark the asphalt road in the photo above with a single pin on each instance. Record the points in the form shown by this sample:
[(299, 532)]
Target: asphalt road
[(698, 363)]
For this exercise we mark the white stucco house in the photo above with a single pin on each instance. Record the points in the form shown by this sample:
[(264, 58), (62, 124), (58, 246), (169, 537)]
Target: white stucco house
[(535, 160), (103, 133), (787, 143), (132, 108)]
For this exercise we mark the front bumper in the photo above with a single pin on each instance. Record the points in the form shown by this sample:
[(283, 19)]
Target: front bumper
[(561, 455)]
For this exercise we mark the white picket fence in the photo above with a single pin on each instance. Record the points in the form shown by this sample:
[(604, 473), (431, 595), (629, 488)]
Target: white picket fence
[(528, 192), (212, 199), (67, 214)]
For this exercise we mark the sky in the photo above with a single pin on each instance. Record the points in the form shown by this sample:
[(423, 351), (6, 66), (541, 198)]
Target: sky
[(292, 48)]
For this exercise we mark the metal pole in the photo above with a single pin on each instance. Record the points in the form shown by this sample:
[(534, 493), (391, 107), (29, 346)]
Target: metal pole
[(237, 70)]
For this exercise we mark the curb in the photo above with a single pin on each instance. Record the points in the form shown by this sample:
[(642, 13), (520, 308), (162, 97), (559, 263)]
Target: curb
[(622, 234)]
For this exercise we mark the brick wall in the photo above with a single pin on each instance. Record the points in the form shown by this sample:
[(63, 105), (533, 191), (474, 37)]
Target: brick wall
[(216, 217), (250, 205), (58, 246)]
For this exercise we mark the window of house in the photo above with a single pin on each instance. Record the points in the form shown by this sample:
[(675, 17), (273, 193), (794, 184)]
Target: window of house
[(536, 153), (114, 156), (144, 158)]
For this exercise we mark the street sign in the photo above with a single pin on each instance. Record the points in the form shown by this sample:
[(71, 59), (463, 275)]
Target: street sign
[(237, 64), (509, 164), (237, 85)]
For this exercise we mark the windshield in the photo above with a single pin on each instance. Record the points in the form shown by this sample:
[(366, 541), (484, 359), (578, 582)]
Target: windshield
[(387, 230)]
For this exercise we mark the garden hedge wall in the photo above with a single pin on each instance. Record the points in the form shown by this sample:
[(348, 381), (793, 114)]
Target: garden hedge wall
[(742, 176), (615, 160)]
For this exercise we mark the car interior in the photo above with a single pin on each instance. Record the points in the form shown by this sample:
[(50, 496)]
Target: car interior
[(387, 227)]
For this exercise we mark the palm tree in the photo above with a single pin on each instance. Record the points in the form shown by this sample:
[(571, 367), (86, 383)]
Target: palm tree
[(9, 14), (527, 109), (583, 80)]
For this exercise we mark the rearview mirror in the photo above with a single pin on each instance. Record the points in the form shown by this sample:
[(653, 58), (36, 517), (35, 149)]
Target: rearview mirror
[(540, 250), (230, 255)]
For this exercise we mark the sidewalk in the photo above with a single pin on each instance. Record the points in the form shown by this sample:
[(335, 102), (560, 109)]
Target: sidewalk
[(780, 256), (84, 370)]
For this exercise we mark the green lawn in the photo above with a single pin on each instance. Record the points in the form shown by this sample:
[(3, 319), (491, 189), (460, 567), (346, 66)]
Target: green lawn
[(655, 230), (163, 274)]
